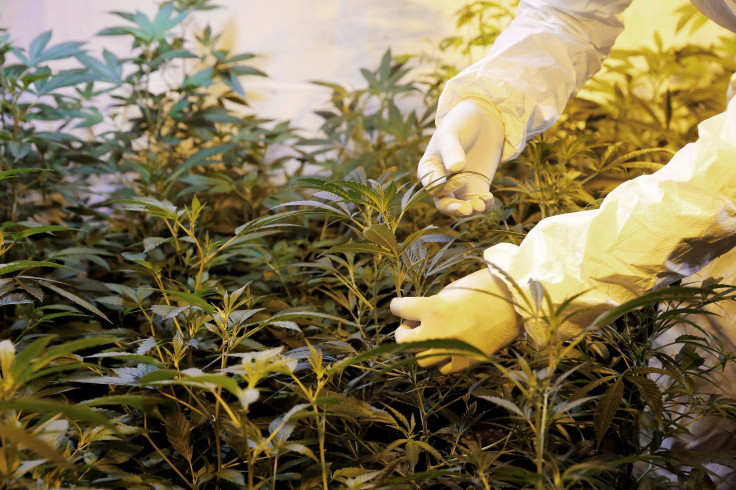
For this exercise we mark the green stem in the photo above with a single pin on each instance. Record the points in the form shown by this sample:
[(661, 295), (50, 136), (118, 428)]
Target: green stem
[(321, 436)]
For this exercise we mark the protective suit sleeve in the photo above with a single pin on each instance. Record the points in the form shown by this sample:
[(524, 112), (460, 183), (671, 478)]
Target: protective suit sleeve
[(537, 64), (648, 232)]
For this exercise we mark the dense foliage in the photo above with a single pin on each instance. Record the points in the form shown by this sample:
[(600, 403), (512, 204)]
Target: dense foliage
[(173, 318)]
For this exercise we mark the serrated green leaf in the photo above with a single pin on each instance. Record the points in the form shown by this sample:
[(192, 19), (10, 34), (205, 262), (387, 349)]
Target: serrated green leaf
[(607, 408), (652, 393), (508, 405), (665, 294), (74, 298), (589, 387), (152, 242), (22, 365), (203, 156), (411, 450), (178, 432), (20, 265), (383, 237), (190, 298), (233, 476), (357, 248), (450, 345), (16, 171), (37, 45), (416, 236), (52, 353), (231, 80), (39, 229), (315, 204)]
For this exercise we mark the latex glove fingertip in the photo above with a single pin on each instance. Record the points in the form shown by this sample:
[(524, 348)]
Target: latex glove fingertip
[(431, 357), (456, 364), (460, 209), (456, 166), (406, 333), (478, 205), (424, 361)]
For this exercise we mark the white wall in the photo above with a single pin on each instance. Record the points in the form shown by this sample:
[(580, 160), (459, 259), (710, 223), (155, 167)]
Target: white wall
[(302, 40)]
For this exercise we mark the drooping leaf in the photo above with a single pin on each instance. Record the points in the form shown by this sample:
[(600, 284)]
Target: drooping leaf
[(178, 433), (20, 265), (192, 299), (140, 402), (20, 438), (607, 408), (652, 393), (74, 298), (73, 411), (168, 311), (449, 345), (508, 405)]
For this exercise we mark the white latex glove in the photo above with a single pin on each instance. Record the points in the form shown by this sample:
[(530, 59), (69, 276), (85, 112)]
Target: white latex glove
[(475, 309), (469, 141)]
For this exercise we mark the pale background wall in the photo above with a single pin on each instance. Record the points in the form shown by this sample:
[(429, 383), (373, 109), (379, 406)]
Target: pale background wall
[(303, 40)]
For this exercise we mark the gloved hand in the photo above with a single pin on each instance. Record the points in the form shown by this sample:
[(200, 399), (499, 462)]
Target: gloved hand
[(475, 309), (468, 140)]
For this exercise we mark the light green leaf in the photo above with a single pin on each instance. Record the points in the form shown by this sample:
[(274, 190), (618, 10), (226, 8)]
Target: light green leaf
[(357, 248), (190, 298), (74, 411), (383, 237), (139, 402), (20, 265), (152, 242), (19, 437), (508, 405), (39, 229)]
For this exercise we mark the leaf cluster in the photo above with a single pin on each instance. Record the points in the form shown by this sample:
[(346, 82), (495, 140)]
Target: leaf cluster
[(173, 318)]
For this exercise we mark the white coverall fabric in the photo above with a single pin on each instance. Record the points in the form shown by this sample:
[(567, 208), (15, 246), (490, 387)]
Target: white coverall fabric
[(538, 63), (723, 12), (648, 232)]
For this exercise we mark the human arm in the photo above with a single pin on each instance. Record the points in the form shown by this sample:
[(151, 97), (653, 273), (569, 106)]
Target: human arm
[(476, 309), (648, 233), (519, 90)]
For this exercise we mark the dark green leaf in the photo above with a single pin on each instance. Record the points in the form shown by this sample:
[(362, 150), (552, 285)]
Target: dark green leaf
[(74, 298), (178, 432), (21, 265), (653, 394), (607, 408)]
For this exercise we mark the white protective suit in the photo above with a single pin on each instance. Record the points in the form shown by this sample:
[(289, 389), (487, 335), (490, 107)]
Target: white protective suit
[(648, 232)]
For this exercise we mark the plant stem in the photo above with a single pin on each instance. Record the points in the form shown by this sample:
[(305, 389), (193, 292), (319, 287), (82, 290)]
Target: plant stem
[(321, 437), (160, 453)]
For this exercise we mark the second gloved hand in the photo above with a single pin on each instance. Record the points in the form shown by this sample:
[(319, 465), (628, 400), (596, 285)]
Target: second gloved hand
[(468, 141), (475, 309)]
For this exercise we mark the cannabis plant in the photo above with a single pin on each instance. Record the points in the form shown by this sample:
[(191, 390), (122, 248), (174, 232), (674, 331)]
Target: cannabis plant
[(172, 318)]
